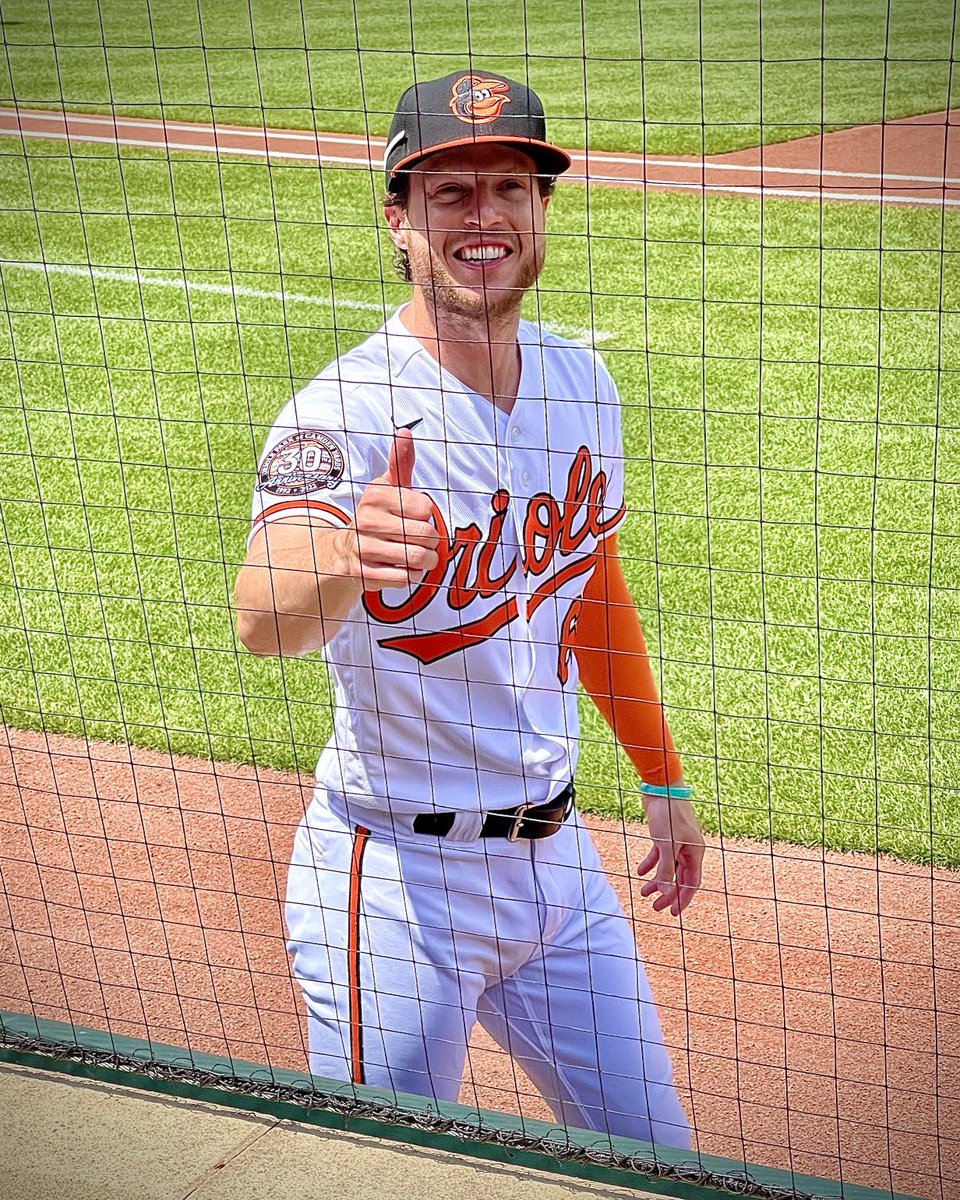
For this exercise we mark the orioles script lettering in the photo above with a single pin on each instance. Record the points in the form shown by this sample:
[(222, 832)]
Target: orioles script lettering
[(465, 568)]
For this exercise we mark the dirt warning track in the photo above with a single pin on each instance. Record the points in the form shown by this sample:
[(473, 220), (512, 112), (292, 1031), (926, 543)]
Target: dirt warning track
[(811, 1000), (915, 160)]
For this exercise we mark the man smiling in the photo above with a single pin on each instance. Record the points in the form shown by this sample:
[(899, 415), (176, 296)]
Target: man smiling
[(438, 511)]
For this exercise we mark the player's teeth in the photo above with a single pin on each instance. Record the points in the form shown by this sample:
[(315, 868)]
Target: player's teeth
[(484, 253)]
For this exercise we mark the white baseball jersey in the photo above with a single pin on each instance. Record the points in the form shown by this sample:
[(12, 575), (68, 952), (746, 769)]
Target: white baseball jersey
[(458, 693)]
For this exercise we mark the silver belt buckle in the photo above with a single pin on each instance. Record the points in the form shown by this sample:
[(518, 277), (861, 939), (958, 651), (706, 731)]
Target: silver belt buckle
[(522, 810)]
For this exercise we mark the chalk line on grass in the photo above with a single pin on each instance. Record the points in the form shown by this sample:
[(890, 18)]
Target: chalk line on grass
[(637, 170), (817, 193), (577, 333), (374, 147)]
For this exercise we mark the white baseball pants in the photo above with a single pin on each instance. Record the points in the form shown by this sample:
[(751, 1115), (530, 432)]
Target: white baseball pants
[(402, 942)]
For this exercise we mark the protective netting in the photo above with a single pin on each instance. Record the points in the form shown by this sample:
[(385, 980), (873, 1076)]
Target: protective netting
[(759, 235)]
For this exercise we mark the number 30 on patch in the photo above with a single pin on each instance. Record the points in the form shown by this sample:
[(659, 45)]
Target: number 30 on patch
[(301, 463)]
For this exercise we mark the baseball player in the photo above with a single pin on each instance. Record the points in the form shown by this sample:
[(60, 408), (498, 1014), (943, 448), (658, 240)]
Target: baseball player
[(437, 512)]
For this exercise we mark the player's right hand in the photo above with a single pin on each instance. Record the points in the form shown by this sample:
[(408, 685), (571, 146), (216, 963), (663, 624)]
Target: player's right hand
[(393, 538), (676, 852)]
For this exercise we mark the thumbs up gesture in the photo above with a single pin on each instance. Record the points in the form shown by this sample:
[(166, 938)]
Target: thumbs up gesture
[(394, 538)]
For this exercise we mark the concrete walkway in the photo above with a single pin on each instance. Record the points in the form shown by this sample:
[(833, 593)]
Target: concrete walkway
[(72, 1139)]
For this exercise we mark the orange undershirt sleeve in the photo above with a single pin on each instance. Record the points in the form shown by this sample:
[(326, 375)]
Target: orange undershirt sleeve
[(615, 670)]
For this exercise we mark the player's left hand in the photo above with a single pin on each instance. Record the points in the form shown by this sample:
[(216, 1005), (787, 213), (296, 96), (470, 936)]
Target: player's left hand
[(677, 853)]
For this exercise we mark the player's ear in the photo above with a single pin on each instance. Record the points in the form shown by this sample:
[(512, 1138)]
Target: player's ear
[(396, 217)]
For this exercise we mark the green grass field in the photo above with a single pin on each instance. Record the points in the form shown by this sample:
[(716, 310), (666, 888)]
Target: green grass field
[(791, 385), (678, 76)]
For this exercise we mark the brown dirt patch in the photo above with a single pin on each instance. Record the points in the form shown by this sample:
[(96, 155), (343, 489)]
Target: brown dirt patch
[(912, 160), (812, 1000)]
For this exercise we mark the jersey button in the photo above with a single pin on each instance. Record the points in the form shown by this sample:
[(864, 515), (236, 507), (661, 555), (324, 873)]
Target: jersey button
[(515, 433), (525, 477)]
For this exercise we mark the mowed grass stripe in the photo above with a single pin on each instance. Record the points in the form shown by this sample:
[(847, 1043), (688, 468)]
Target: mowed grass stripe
[(791, 385)]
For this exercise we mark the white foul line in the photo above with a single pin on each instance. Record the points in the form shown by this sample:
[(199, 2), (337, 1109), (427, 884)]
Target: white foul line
[(254, 133), (194, 147), (756, 189), (704, 164), (251, 131), (366, 163), (589, 336)]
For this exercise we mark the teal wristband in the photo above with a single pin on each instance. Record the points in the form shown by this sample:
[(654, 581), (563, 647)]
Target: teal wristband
[(672, 791)]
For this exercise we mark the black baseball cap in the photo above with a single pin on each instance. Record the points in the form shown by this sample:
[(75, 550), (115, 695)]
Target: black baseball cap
[(467, 107)]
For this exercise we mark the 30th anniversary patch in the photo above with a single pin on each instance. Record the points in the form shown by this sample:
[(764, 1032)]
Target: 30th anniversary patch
[(302, 463)]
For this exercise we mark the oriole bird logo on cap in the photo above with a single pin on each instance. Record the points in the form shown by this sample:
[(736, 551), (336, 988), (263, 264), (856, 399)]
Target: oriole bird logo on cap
[(478, 101)]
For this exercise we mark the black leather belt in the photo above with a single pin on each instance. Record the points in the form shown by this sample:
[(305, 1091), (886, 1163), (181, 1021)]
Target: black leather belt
[(527, 821)]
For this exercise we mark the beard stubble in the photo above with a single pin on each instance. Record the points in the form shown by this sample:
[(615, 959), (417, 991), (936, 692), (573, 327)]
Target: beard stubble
[(448, 298)]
